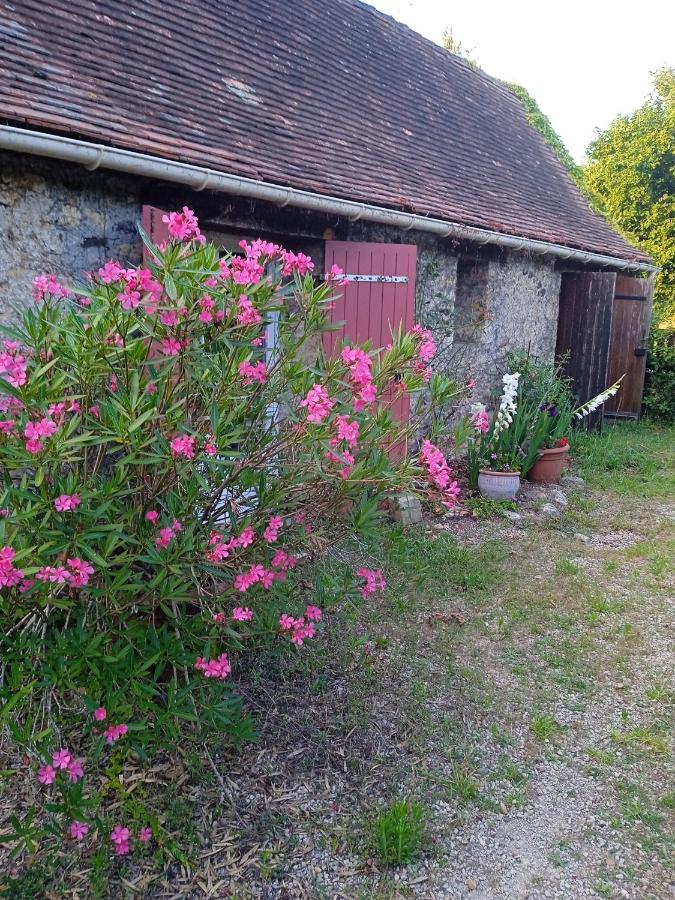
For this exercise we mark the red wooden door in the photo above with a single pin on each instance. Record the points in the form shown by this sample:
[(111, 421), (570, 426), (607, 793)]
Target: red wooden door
[(631, 316), (378, 298), (156, 230)]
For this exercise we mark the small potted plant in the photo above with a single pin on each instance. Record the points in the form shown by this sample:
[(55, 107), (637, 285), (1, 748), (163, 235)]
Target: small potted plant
[(494, 452)]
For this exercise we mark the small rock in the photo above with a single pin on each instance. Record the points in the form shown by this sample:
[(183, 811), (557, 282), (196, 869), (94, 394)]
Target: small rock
[(559, 497), (511, 515), (573, 479), (548, 509), (584, 538), (471, 884)]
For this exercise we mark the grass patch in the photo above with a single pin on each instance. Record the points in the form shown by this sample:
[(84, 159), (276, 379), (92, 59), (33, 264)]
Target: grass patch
[(543, 726), (398, 832), (628, 458), (641, 738), (462, 785)]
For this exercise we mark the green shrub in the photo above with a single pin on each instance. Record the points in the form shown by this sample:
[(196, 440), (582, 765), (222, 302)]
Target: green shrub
[(398, 831), (659, 396)]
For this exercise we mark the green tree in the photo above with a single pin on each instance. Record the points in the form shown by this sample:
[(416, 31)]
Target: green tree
[(631, 175)]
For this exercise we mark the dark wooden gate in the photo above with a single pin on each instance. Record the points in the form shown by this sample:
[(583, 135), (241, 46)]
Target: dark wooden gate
[(631, 316), (584, 329)]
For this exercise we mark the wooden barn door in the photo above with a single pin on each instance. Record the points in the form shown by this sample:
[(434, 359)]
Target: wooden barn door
[(631, 318), (584, 329), (378, 298)]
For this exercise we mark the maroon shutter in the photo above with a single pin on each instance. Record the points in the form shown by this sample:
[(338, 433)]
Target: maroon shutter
[(157, 231), (372, 310)]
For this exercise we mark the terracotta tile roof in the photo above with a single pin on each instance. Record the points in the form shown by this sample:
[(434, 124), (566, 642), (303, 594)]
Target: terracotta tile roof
[(332, 97)]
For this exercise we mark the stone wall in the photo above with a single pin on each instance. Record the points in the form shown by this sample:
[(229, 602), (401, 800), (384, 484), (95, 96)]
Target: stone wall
[(56, 217), (479, 302)]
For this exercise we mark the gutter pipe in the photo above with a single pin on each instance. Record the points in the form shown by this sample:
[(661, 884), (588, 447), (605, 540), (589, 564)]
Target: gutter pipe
[(93, 156)]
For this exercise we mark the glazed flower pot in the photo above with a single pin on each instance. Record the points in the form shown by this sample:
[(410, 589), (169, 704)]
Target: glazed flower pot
[(498, 485), (550, 465)]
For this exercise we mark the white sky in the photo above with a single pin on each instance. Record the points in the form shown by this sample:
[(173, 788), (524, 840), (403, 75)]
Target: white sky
[(584, 62)]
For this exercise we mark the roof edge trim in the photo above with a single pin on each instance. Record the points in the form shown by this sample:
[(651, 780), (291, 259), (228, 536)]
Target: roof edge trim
[(93, 156)]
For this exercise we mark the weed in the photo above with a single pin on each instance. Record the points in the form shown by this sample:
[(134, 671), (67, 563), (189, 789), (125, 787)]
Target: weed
[(565, 566), (398, 832), (543, 726), (462, 785), (641, 738)]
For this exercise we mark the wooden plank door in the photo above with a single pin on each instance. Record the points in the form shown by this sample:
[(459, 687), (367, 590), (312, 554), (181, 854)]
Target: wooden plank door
[(372, 305), (631, 318), (584, 328)]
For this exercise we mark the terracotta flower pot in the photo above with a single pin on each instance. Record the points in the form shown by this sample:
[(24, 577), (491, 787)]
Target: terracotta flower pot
[(498, 485), (550, 465)]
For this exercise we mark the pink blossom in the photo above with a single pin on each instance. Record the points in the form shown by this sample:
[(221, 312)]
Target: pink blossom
[(336, 274), (427, 345), (171, 346), (299, 630), (80, 572), (61, 759), (183, 446), (247, 537), (318, 404), (254, 575), (113, 383), (360, 365), (481, 421), (100, 713), (183, 226), (25, 585), (111, 271), (295, 262), (75, 770), (122, 848), (164, 538), (209, 447), (240, 614), (151, 516), (129, 298), (120, 838), (251, 373), (313, 613), (281, 560), (271, 533), (45, 285), (169, 317), (13, 364), (261, 248), (347, 430), (115, 732), (243, 270), (9, 575), (218, 618), (248, 314), (78, 830), (471, 383), (439, 473), (67, 502), (46, 774), (95, 412), (374, 579), (151, 388), (53, 574), (214, 668), (145, 834)]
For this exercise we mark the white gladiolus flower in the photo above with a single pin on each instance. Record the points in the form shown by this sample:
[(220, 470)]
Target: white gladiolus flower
[(507, 405), (591, 405)]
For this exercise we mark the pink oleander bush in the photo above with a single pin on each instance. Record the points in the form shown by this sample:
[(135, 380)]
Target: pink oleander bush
[(164, 475)]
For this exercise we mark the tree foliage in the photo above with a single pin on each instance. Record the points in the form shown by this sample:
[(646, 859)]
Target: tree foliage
[(631, 173)]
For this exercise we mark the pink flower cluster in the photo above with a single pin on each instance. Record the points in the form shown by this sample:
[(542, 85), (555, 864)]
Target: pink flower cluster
[(375, 581), (139, 284), (120, 838), (13, 364), (67, 502), (115, 732), (303, 628), (360, 372), (427, 344), (171, 346), (167, 534), (335, 274), (480, 418), (214, 668), (45, 285), (318, 404), (184, 445), (242, 614), (439, 473), (222, 548), (77, 574), (183, 226), (61, 760), (248, 314), (35, 432), (78, 830), (250, 373), (274, 526), (9, 576), (258, 574), (295, 262)]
